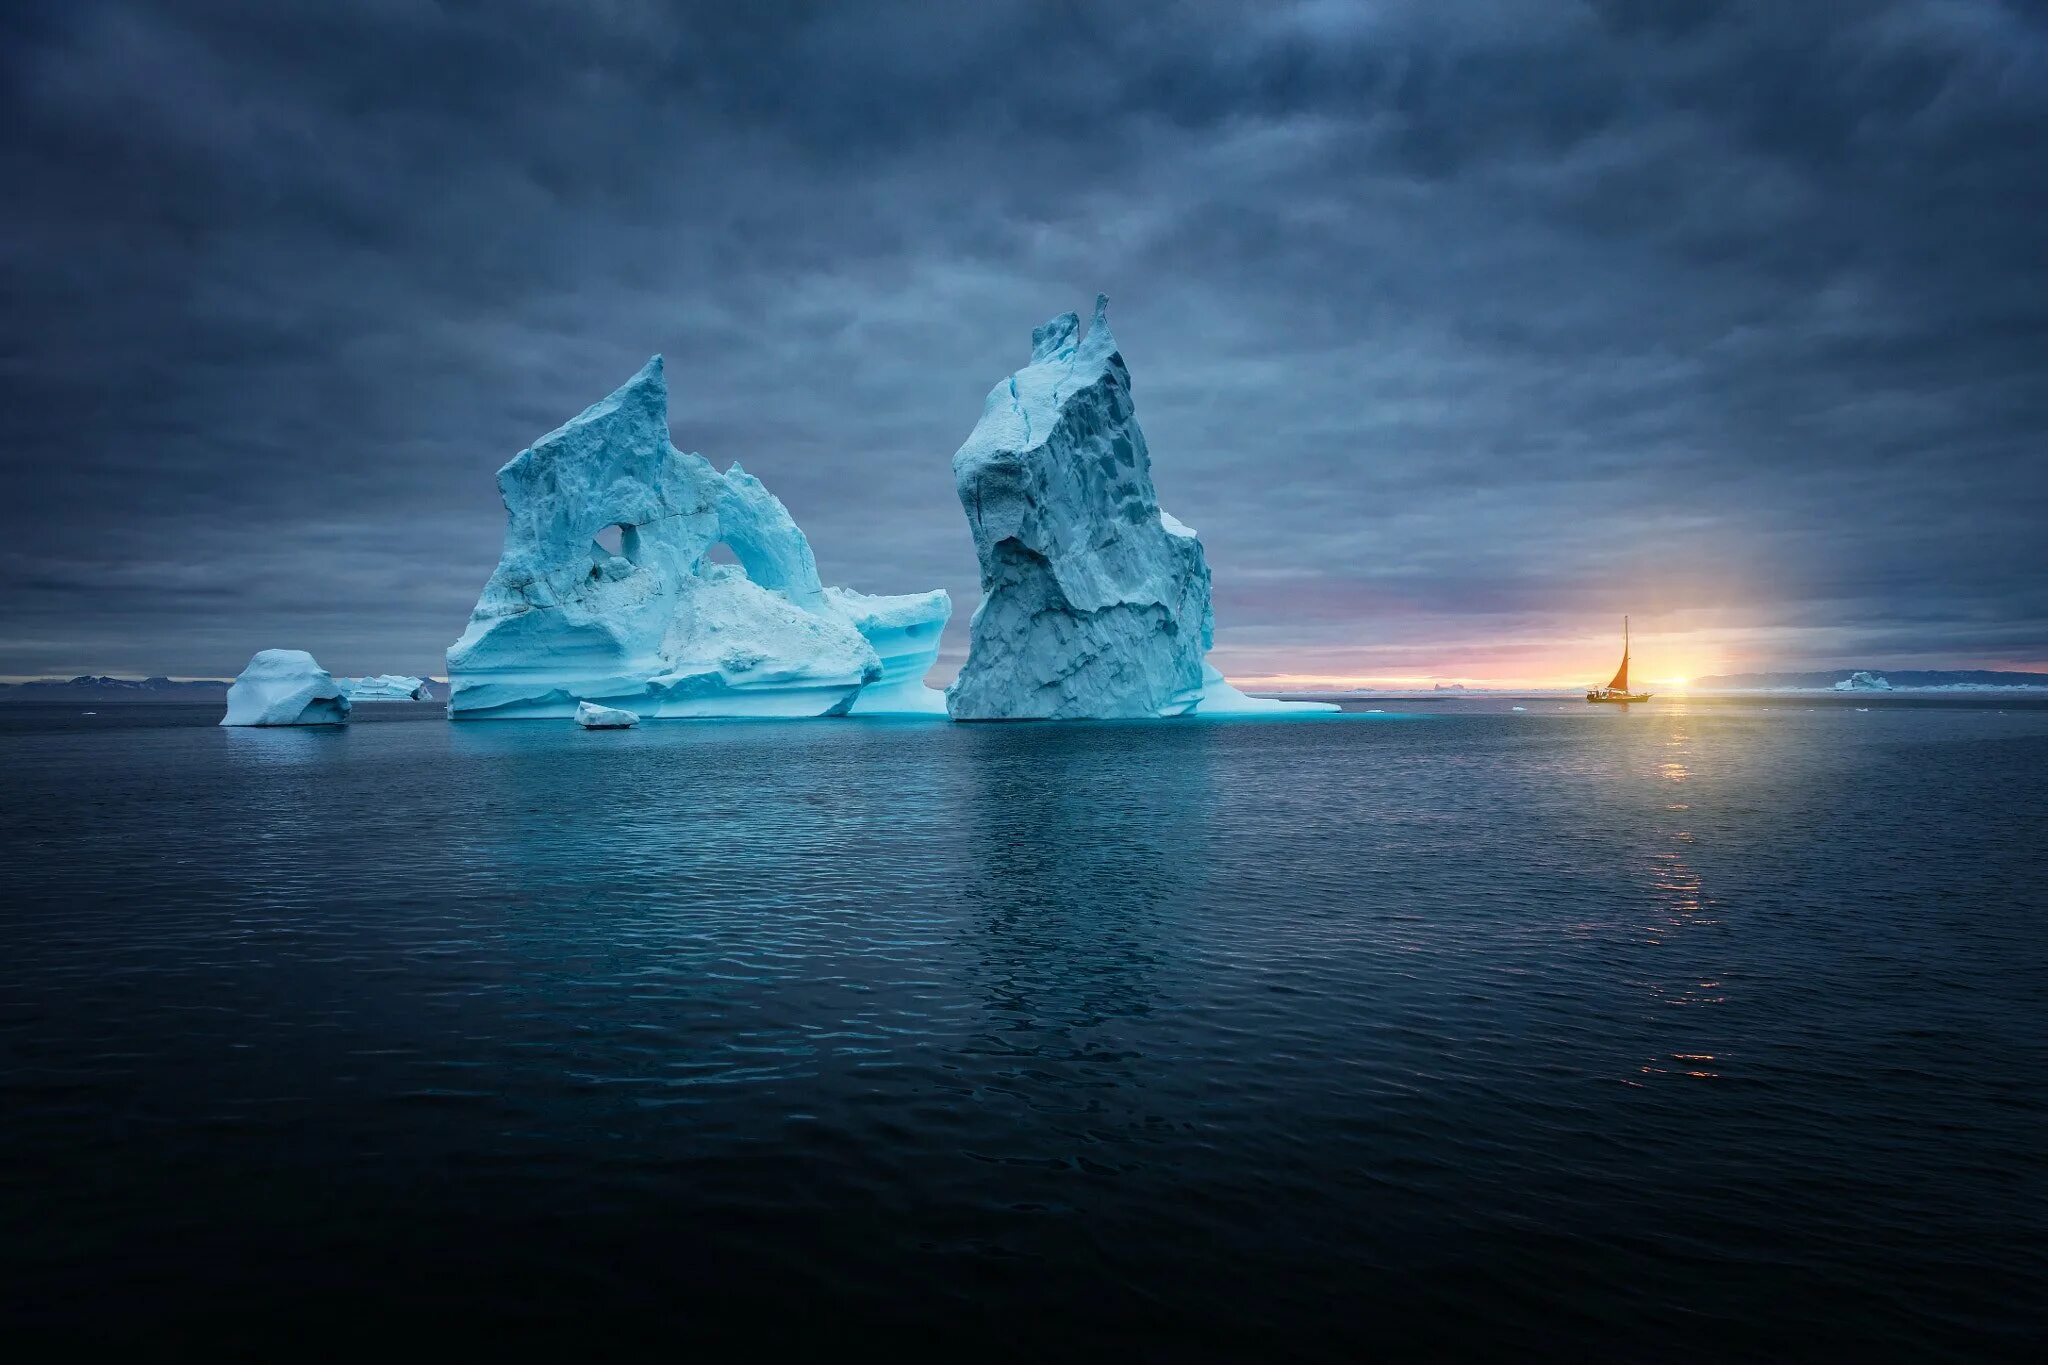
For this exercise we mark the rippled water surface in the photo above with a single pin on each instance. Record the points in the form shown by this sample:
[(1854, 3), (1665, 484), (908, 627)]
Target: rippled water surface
[(1701, 1031)]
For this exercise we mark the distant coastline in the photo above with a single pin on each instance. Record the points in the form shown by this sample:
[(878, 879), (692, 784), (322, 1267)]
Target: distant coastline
[(1923, 682), (1909, 679), (105, 688), (1834, 682)]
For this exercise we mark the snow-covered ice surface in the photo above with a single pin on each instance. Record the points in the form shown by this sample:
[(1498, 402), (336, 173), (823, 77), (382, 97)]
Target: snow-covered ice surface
[(386, 687), (591, 716), (653, 624), (285, 687), (1095, 602)]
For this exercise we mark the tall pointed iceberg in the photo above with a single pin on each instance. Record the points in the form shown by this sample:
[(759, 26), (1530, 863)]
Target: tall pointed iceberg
[(607, 591), (1094, 601)]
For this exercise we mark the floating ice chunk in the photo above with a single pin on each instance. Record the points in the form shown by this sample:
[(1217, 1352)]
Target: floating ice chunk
[(1095, 603), (594, 717), (285, 687), (386, 687), (656, 624)]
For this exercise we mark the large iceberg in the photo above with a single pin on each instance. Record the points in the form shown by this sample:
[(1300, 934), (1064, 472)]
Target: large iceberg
[(608, 592), (386, 687), (285, 687), (1094, 601)]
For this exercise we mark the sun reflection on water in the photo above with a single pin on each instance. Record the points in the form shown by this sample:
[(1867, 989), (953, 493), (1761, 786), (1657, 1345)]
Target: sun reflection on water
[(1681, 909)]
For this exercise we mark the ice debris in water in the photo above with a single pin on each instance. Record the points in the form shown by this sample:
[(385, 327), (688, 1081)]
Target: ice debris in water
[(1095, 602), (607, 590), (285, 687), (591, 716)]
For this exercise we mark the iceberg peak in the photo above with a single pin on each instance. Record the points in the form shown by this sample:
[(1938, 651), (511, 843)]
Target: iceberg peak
[(1060, 338), (1099, 341), (1049, 339)]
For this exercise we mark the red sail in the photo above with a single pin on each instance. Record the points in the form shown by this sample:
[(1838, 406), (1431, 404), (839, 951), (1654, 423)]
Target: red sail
[(1620, 683)]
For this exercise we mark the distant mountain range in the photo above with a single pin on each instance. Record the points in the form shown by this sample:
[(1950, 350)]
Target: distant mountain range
[(1900, 677), (87, 687)]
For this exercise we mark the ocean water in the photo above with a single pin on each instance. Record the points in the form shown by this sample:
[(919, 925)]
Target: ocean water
[(1691, 1031)]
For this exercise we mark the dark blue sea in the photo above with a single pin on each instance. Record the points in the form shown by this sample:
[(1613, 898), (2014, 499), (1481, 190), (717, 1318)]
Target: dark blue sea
[(1691, 1031)]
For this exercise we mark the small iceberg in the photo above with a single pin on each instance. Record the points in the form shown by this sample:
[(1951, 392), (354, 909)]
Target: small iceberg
[(1861, 681), (285, 687), (591, 716), (1518, 708), (387, 687)]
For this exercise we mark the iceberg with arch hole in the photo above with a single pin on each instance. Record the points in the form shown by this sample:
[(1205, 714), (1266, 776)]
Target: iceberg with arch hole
[(656, 626), (285, 687), (1094, 601)]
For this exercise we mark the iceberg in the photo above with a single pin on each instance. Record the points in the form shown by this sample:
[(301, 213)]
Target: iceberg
[(285, 687), (608, 592), (386, 687), (594, 717), (1863, 682), (904, 633), (1095, 601)]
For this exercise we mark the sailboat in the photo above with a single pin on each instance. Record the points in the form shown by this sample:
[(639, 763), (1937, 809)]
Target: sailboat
[(1618, 689)]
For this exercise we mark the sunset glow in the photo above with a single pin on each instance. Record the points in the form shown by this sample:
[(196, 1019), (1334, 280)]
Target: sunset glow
[(1669, 659)]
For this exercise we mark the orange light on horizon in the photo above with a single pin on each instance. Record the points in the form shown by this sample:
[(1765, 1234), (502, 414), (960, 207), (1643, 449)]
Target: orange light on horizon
[(1668, 660)]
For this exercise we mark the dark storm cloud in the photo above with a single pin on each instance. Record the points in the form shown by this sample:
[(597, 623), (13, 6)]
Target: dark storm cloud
[(1448, 323)]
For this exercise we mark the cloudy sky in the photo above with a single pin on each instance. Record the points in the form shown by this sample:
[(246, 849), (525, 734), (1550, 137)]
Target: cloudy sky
[(1457, 329)]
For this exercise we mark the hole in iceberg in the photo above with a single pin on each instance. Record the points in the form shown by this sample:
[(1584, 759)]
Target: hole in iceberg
[(615, 551)]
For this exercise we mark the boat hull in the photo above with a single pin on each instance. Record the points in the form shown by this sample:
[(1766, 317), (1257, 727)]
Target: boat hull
[(1618, 698)]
